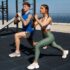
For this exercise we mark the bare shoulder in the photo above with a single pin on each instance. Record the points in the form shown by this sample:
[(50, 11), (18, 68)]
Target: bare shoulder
[(50, 18)]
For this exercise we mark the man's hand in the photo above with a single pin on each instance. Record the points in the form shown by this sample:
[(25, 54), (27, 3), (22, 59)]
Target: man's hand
[(19, 14), (16, 15)]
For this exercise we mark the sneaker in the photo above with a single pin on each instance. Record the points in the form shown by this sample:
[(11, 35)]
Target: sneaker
[(45, 47), (33, 66), (65, 53), (14, 55)]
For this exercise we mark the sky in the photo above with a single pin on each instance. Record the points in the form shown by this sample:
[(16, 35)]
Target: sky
[(55, 6)]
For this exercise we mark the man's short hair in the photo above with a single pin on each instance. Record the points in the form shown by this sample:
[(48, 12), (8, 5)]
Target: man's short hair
[(27, 3)]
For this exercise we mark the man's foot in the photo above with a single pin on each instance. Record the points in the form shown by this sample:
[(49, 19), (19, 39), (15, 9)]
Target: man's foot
[(14, 55), (65, 53), (33, 66)]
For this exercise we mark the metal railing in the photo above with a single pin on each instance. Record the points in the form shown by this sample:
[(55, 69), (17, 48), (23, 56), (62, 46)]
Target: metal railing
[(4, 10)]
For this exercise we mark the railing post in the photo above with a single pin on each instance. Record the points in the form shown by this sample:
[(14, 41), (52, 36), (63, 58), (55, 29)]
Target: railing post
[(17, 10), (34, 6), (2, 13), (7, 9), (16, 6)]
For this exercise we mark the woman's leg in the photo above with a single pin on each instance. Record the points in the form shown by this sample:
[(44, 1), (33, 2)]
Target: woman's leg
[(39, 45), (57, 46), (65, 52), (47, 41)]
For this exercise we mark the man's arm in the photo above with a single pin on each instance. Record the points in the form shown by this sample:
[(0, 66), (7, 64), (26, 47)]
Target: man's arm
[(17, 18), (25, 22)]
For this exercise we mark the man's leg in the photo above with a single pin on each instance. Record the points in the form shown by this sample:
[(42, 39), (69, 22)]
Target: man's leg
[(18, 36)]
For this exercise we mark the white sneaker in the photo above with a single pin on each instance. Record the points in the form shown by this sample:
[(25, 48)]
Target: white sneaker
[(14, 55), (45, 47), (65, 53), (33, 66)]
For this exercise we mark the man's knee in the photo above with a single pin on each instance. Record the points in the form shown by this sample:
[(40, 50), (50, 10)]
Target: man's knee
[(16, 35)]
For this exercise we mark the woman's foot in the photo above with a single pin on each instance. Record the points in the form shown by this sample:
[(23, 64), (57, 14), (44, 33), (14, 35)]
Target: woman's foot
[(65, 53), (33, 66), (45, 47)]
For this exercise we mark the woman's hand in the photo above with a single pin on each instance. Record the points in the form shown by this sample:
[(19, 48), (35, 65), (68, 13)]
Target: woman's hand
[(38, 21), (36, 16)]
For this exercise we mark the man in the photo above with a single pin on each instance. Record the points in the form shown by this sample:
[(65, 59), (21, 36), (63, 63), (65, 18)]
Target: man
[(26, 19)]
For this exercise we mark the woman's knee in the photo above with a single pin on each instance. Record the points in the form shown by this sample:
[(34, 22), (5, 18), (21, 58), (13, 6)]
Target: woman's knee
[(37, 46)]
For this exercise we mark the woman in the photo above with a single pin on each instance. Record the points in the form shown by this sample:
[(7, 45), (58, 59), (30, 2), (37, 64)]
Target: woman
[(45, 23)]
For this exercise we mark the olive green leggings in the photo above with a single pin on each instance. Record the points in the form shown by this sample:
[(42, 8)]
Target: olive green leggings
[(49, 39)]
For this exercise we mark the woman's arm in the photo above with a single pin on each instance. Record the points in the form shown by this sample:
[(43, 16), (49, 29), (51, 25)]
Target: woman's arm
[(36, 23), (44, 23)]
